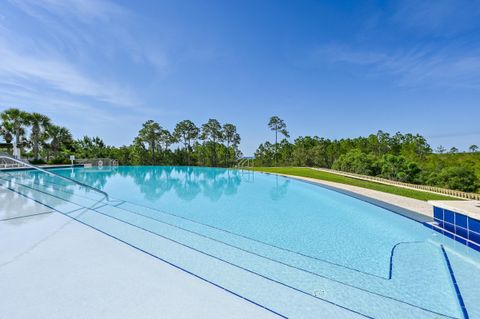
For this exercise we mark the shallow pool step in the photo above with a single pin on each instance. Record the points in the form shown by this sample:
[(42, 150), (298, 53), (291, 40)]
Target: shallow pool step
[(277, 264), (262, 291), (307, 282), (46, 199), (407, 268), (70, 192)]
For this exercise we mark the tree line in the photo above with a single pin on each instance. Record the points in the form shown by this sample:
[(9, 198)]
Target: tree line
[(401, 157), (37, 138)]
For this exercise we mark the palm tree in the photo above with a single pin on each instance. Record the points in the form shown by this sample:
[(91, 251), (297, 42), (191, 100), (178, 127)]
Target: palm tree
[(59, 136), (150, 133), (39, 124), (15, 121), (5, 131), (186, 132), (278, 125)]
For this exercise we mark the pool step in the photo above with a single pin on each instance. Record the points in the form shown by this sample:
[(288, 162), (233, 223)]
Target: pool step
[(122, 223), (404, 256)]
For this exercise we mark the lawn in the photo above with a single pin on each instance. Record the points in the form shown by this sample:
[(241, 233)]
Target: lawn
[(307, 172)]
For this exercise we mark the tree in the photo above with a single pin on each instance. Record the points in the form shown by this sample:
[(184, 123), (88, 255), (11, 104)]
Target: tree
[(278, 125), (453, 150), (356, 161), (414, 147), (456, 177), (399, 168), (15, 121), (91, 147), (150, 133), (473, 148), (5, 131), (231, 138), (39, 123), (441, 149), (59, 137), (212, 132), (186, 132), (165, 139)]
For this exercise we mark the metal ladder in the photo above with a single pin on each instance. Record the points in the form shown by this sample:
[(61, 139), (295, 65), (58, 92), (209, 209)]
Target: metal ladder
[(246, 162)]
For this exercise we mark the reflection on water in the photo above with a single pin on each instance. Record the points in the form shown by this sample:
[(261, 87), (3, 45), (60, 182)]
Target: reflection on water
[(155, 181), (280, 189)]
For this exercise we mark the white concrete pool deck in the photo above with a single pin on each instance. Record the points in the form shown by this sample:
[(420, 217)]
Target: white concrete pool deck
[(54, 267)]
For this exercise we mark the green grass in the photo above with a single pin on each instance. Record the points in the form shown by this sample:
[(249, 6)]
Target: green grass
[(308, 172)]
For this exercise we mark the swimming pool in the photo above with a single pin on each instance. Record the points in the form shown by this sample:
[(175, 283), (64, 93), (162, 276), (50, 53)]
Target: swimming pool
[(297, 249)]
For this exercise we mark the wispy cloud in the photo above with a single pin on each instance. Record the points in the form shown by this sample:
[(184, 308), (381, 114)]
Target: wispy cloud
[(55, 73), (413, 67), (440, 17), (59, 51), (416, 43)]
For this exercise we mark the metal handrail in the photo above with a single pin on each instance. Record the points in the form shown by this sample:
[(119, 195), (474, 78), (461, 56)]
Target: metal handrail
[(246, 162), (8, 157)]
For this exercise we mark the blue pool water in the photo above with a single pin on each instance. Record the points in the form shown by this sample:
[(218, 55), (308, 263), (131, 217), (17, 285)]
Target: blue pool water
[(298, 249)]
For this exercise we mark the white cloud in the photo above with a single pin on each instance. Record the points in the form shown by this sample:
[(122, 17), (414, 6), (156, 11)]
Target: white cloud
[(414, 67), (57, 74), (73, 52), (441, 17)]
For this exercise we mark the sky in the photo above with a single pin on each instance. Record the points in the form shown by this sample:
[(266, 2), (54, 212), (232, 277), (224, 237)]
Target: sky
[(334, 69)]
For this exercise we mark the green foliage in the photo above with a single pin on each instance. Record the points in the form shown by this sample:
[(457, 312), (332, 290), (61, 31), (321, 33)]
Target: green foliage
[(400, 157), (399, 168), (277, 125), (355, 161), (457, 177), (213, 145)]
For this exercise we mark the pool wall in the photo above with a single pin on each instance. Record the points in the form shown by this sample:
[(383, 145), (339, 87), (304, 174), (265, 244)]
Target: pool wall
[(457, 226)]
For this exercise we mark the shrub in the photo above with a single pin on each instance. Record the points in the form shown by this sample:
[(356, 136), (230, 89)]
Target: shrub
[(457, 177), (400, 169), (59, 160), (355, 161), (38, 161)]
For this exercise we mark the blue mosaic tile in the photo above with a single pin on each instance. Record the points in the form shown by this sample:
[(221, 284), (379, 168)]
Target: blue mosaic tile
[(430, 226), (461, 240), (449, 227), (461, 220), (440, 222), (438, 213), (449, 235), (473, 225), (449, 216), (460, 231), (473, 236), (476, 247)]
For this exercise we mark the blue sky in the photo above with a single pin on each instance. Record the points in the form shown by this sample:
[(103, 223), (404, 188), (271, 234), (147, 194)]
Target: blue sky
[(328, 68)]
